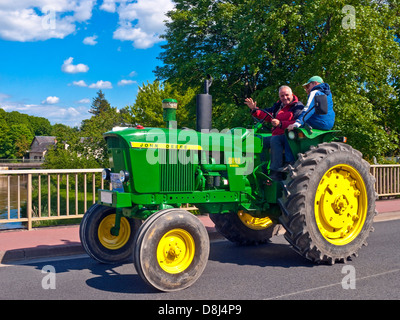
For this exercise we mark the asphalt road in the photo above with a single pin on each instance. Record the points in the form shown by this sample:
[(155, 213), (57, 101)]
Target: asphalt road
[(271, 271)]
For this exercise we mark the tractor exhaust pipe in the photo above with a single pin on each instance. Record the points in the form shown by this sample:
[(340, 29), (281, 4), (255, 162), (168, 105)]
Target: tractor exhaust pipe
[(169, 112), (204, 107)]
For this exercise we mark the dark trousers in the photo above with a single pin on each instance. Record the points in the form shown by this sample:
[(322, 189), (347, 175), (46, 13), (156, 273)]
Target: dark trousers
[(277, 144)]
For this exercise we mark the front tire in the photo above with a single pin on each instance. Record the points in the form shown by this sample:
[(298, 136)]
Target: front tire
[(330, 203), (171, 250), (96, 237)]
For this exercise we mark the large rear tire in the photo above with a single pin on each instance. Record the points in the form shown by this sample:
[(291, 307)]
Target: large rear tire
[(329, 205), (171, 250), (96, 237)]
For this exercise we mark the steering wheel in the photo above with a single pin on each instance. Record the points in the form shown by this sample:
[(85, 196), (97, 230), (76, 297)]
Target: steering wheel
[(263, 119)]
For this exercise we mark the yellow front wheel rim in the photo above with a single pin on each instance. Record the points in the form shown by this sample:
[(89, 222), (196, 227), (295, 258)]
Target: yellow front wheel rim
[(175, 251), (254, 222), (107, 239), (341, 204)]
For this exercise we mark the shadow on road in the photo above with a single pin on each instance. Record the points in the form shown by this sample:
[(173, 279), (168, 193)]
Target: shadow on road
[(270, 254), (106, 277), (123, 278), (120, 283)]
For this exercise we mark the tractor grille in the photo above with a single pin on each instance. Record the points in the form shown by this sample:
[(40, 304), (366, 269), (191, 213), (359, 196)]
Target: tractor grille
[(176, 173)]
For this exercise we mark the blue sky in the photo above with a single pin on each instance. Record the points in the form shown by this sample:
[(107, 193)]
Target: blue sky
[(56, 54)]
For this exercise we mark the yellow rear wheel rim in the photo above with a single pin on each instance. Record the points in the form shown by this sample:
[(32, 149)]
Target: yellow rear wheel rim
[(341, 204), (175, 251), (254, 222), (110, 241)]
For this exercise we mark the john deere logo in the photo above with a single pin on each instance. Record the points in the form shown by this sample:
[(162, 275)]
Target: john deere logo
[(174, 146)]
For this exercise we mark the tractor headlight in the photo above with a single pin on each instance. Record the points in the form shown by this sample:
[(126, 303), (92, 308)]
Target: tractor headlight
[(123, 176), (105, 174), (291, 135)]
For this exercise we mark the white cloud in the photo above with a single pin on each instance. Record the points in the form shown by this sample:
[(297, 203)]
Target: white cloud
[(68, 67), (140, 21), (54, 113), (84, 100), (68, 116), (90, 40), (79, 83), (65, 115), (34, 20), (101, 85), (140, 39), (108, 5), (124, 82), (96, 85), (82, 9), (4, 97), (71, 111), (51, 100)]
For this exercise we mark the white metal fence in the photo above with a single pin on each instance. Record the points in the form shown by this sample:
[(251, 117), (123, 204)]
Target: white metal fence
[(34, 195), (387, 179)]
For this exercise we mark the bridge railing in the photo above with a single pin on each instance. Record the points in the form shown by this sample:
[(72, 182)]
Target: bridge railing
[(21, 160), (35, 195), (387, 178)]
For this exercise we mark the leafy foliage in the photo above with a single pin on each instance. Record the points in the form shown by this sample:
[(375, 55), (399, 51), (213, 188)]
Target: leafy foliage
[(85, 147), (17, 132), (147, 109), (99, 104), (253, 47)]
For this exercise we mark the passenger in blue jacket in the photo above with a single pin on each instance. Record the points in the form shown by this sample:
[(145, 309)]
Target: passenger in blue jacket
[(315, 86)]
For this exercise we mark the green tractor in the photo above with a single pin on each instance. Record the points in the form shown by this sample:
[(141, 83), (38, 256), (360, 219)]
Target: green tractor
[(326, 203)]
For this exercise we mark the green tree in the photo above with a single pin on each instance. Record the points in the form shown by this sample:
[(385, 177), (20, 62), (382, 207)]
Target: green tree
[(63, 131), (92, 130), (20, 137), (86, 147), (17, 132), (66, 153), (6, 146), (147, 109), (14, 117), (99, 104), (40, 126), (252, 47)]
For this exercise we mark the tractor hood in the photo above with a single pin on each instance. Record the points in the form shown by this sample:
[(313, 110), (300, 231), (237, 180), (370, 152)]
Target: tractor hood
[(182, 139)]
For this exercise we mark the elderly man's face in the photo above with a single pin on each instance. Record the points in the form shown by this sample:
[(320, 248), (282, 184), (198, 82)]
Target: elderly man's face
[(310, 86), (286, 96)]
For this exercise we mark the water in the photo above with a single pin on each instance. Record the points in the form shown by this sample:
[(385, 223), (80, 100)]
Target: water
[(13, 200)]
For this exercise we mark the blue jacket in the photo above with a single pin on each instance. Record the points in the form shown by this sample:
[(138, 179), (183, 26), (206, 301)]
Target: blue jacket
[(318, 121)]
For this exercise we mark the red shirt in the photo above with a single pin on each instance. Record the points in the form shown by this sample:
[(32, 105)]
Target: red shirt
[(287, 115)]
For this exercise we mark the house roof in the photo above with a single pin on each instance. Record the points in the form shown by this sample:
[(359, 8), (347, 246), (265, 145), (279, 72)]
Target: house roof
[(42, 143)]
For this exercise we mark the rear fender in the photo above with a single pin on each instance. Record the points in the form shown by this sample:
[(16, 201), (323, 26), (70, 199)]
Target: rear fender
[(301, 139)]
